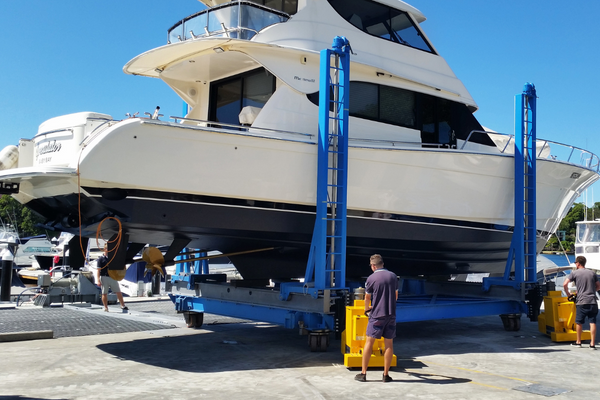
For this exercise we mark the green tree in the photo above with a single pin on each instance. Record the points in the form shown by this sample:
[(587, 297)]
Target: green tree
[(576, 213), (22, 218), (594, 212), (552, 243)]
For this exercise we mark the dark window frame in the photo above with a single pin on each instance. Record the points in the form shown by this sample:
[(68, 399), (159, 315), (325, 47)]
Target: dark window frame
[(214, 85), (459, 117), (391, 13)]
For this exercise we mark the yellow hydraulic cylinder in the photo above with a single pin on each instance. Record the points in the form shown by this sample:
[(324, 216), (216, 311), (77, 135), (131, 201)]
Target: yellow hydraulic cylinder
[(558, 319), (355, 336)]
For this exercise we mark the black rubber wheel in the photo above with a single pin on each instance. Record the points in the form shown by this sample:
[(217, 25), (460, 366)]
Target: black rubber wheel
[(517, 325), (510, 324), (313, 342), (323, 343), (193, 319)]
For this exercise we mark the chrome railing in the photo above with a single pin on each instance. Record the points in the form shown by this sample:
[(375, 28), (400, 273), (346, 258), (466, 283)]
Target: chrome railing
[(238, 128), (237, 19), (555, 150)]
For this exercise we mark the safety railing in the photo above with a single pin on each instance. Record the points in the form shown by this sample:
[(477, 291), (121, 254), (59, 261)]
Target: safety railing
[(356, 142), (99, 129), (238, 128), (545, 149), (237, 19)]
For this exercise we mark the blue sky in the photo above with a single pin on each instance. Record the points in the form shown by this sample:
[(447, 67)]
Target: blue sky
[(66, 56)]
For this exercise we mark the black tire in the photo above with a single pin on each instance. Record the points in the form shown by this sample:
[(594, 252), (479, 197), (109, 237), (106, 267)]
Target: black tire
[(313, 342), (324, 343), (193, 319), (517, 323)]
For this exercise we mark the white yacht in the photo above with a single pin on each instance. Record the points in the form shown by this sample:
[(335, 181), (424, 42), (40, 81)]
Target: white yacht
[(428, 188)]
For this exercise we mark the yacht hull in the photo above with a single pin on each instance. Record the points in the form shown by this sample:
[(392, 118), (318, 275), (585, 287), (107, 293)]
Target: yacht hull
[(427, 211), (282, 236)]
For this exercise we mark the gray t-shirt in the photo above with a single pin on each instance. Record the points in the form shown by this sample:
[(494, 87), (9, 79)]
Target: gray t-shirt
[(382, 285), (585, 281)]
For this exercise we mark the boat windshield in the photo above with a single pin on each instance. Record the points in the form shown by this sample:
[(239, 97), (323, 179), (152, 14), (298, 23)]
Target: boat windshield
[(237, 19), (587, 233), (382, 21)]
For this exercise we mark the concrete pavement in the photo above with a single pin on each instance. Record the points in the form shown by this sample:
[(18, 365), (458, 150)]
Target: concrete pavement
[(470, 358)]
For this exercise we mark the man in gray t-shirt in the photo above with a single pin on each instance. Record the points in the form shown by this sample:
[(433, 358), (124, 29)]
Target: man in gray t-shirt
[(381, 294), (587, 285)]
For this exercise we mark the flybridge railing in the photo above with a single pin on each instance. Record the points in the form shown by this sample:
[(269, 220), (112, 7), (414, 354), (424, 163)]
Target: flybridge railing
[(241, 20), (546, 149)]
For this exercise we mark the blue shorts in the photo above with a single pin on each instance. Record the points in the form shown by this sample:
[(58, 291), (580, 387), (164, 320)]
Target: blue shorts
[(378, 327), (586, 310)]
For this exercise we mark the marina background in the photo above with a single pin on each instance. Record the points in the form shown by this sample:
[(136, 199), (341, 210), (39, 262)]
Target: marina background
[(67, 56), (560, 260)]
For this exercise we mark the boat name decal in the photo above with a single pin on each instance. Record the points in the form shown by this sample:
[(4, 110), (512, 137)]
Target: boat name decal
[(304, 79), (51, 147)]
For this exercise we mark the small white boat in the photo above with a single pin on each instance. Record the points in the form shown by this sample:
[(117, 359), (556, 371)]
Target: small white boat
[(30, 275), (587, 243)]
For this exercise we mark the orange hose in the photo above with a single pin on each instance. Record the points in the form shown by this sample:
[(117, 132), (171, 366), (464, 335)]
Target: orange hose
[(99, 230)]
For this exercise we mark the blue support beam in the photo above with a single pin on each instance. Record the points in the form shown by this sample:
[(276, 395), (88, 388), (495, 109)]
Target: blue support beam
[(523, 252), (426, 308), (289, 318), (326, 266)]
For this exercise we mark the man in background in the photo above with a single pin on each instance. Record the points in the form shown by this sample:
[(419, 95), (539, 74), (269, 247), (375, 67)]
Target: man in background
[(106, 282), (586, 305)]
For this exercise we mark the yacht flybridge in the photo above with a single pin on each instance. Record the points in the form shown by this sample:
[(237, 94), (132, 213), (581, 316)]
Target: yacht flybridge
[(428, 187)]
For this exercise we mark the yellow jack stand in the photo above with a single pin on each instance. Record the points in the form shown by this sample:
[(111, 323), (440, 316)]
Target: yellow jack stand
[(355, 335), (558, 319)]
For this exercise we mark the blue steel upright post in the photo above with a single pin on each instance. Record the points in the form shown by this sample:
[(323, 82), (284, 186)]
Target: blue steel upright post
[(523, 245), (530, 98), (326, 266)]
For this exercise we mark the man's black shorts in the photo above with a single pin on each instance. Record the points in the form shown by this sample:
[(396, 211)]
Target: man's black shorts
[(586, 310)]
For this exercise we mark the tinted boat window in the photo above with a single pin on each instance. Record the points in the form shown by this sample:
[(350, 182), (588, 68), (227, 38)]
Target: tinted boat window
[(440, 121), (397, 106), (364, 100), (406, 33), (382, 21), (287, 6), (228, 101), (258, 89), (229, 96)]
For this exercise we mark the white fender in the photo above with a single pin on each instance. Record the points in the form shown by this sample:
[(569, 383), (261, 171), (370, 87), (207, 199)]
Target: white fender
[(9, 157)]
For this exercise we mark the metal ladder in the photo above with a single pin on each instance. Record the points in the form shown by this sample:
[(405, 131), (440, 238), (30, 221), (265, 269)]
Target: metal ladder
[(326, 267), (528, 148), (523, 245)]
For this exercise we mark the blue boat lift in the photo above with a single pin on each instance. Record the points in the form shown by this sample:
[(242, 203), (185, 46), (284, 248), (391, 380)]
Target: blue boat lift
[(317, 305)]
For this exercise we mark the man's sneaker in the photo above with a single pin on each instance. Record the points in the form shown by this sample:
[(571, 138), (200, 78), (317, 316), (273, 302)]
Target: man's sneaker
[(387, 378), (576, 344), (592, 347), (361, 377)]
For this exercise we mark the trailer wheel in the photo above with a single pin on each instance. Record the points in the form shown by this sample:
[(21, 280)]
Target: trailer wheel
[(193, 319), (511, 322), (318, 342), (517, 325)]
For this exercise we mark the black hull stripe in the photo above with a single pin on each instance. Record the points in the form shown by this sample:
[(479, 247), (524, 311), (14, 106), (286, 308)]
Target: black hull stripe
[(267, 205)]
